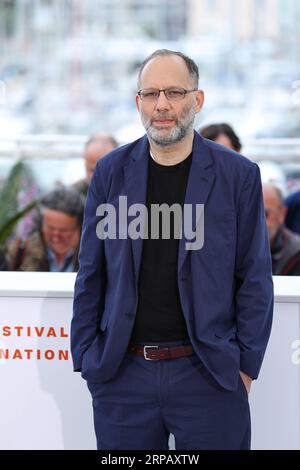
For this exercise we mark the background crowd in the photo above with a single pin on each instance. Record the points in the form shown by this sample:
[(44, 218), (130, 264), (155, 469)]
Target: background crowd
[(52, 241)]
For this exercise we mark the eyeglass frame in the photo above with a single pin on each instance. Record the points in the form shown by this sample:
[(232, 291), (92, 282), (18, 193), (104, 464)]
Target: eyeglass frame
[(62, 232), (270, 211), (164, 90)]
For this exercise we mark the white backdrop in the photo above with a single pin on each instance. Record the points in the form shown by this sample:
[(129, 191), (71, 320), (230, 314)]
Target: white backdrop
[(45, 405)]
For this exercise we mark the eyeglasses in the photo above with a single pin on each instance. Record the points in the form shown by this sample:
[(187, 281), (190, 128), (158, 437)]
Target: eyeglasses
[(61, 232), (172, 94), (269, 212)]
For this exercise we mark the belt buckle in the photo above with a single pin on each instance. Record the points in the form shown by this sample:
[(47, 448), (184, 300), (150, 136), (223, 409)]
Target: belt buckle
[(145, 352)]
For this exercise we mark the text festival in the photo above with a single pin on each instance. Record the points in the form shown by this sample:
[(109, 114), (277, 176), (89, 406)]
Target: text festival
[(30, 353)]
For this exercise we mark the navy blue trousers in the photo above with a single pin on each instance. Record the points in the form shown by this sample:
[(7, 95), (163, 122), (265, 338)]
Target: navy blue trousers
[(149, 400)]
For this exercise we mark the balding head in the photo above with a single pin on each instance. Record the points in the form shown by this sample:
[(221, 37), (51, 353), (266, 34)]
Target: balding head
[(274, 209), (191, 66), (96, 147)]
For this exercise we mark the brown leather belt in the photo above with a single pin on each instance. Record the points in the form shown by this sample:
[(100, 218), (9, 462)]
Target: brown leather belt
[(156, 353)]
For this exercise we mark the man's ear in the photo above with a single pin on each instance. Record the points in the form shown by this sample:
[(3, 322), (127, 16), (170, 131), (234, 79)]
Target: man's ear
[(199, 100), (283, 213), (137, 102)]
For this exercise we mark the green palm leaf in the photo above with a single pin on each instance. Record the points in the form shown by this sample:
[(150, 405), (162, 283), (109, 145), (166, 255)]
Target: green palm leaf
[(10, 213)]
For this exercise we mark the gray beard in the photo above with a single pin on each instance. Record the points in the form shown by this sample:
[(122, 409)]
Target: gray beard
[(182, 128)]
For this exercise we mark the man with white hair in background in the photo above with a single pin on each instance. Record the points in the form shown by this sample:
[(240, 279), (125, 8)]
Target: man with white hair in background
[(96, 147), (285, 245)]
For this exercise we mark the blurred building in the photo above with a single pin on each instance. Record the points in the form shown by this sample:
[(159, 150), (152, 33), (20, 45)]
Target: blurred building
[(153, 18), (70, 66), (246, 19)]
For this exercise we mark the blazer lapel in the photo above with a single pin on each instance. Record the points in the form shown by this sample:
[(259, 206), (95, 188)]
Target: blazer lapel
[(136, 179), (200, 183)]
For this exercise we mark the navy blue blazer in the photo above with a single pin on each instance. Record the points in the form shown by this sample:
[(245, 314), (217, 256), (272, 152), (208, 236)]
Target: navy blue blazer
[(225, 288)]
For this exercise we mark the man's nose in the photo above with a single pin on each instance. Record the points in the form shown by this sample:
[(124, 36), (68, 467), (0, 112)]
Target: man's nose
[(56, 236), (162, 102)]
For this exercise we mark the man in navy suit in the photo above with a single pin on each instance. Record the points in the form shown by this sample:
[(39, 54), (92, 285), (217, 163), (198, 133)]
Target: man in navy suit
[(171, 324)]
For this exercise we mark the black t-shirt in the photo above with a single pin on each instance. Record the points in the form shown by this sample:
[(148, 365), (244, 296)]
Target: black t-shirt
[(159, 314)]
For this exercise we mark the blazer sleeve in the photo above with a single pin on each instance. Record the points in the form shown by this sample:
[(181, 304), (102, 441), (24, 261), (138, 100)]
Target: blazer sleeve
[(254, 295), (89, 293)]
